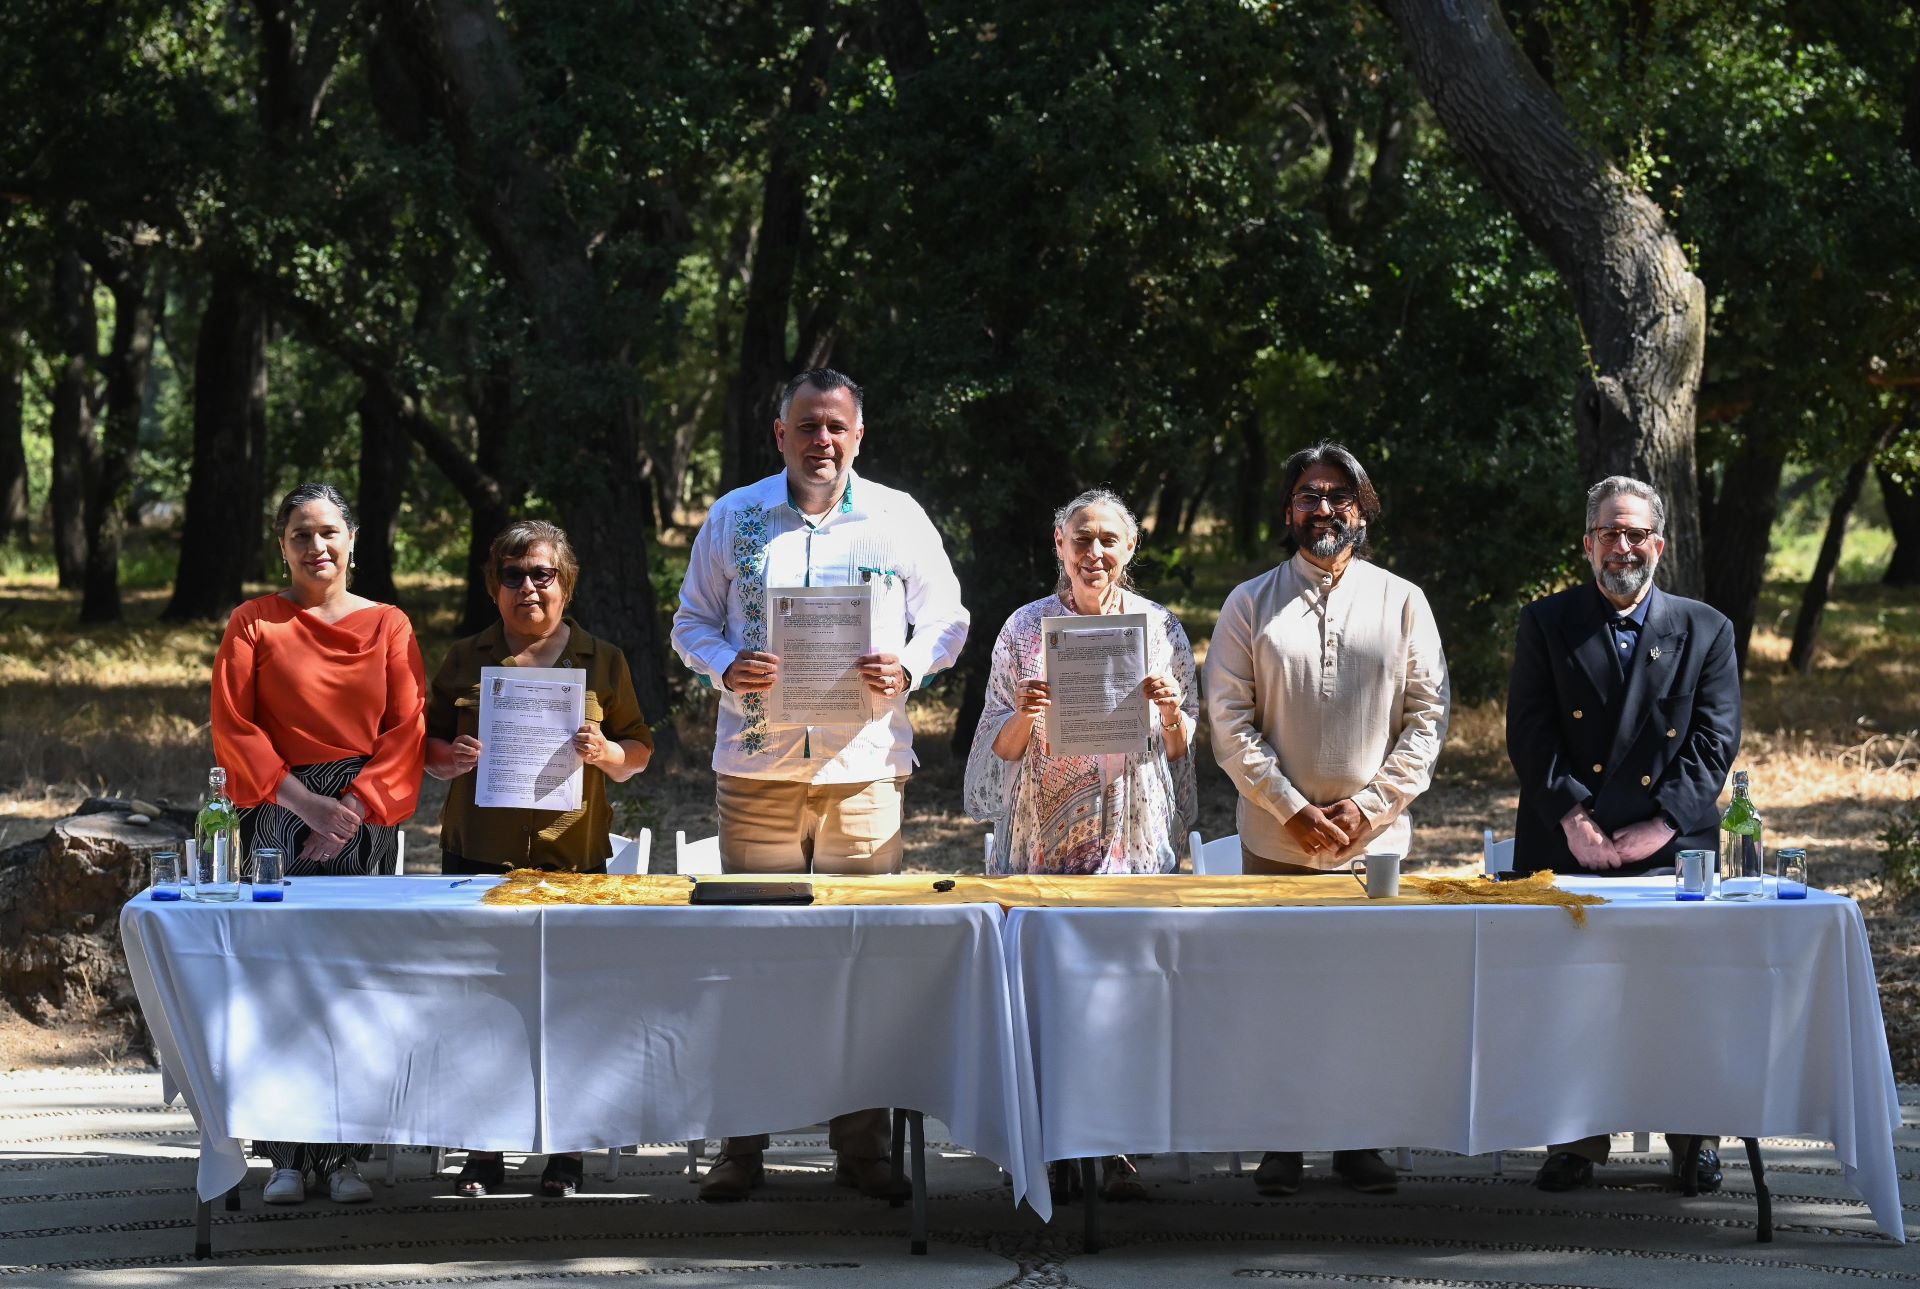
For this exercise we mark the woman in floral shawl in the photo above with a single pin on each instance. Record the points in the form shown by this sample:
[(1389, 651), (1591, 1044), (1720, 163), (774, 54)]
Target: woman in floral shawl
[(1118, 813)]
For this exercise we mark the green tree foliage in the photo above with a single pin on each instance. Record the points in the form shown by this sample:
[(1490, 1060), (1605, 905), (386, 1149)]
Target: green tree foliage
[(562, 254)]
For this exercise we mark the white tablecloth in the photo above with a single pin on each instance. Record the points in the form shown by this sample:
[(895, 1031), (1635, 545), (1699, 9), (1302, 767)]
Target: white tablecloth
[(400, 1009), (1459, 1028)]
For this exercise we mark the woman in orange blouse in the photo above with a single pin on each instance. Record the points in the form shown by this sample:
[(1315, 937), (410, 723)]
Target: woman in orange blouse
[(319, 718)]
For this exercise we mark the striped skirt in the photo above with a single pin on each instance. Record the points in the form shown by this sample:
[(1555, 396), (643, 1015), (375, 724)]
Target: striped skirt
[(373, 849)]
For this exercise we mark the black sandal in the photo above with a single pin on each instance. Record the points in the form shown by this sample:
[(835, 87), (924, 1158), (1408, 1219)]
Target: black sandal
[(482, 1175), (563, 1176)]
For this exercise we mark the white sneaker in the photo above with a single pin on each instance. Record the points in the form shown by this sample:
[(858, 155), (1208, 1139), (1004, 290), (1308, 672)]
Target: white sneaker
[(286, 1186), (345, 1186)]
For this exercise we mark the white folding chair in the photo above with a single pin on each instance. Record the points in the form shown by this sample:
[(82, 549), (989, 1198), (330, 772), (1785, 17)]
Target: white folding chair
[(1217, 858), (399, 851), (1495, 856), (631, 855), (696, 858), (986, 856)]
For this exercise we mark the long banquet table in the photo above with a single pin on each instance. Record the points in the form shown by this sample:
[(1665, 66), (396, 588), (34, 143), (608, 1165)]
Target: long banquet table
[(398, 1009), (1461, 1028), (401, 1010)]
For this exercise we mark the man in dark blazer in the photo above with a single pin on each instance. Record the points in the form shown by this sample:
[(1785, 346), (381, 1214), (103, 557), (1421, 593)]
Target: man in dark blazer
[(1623, 712), (1623, 718)]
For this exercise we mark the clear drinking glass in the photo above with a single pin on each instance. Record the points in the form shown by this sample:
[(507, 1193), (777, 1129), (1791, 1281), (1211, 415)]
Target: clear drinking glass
[(1793, 872), (1693, 875), (269, 873), (163, 881)]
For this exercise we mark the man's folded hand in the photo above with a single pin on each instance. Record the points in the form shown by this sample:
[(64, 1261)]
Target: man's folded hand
[(1591, 847), (1638, 841)]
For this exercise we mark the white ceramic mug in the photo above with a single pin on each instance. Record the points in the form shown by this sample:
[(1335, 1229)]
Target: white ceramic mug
[(1378, 874)]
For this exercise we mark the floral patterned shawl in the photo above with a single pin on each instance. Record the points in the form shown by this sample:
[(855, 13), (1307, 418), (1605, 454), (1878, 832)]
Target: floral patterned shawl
[(1082, 814)]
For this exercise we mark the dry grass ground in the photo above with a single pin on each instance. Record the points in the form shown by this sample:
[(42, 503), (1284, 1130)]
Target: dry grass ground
[(123, 711)]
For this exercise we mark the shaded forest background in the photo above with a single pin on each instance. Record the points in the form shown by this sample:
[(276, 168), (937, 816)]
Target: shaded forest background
[(473, 260)]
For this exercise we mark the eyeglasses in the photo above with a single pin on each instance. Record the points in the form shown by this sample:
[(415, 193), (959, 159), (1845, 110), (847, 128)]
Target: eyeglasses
[(1635, 536), (1307, 500), (513, 578)]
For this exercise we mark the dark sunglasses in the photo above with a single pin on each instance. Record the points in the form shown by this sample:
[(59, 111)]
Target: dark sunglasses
[(514, 578)]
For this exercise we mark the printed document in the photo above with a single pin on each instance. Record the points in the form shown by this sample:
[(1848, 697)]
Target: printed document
[(819, 634), (528, 716), (1095, 667)]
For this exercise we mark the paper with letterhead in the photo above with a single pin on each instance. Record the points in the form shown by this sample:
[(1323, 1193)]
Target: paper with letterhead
[(528, 717), (1095, 667), (820, 633)]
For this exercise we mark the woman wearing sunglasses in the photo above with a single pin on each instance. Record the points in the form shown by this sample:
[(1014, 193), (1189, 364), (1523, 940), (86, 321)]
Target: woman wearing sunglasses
[(531, 571)]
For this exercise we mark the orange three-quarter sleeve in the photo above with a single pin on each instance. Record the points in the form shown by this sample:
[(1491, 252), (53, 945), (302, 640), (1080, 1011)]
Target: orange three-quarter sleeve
[(290, 689), (253, 764), (389, 784)]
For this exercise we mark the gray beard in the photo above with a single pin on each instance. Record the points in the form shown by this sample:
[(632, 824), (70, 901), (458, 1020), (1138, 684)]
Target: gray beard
[(1625, 583), (1342, 536)]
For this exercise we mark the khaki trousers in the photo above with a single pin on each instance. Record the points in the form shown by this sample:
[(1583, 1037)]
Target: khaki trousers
[(774, 826), (1260, 865), (771, 826)]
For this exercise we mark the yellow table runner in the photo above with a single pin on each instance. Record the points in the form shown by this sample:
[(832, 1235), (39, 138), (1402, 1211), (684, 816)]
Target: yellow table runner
[(526, 886)]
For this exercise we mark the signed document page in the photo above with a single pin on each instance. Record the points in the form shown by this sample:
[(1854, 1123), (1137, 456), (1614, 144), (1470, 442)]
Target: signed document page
[(819, 633), (528, 716), (1095, 667)]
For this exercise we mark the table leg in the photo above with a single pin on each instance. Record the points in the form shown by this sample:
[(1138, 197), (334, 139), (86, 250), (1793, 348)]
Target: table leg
[(1089, 1204), (917, 1122), (233, 1199), (899, 1158), (1760, 1193), (203, 1229)]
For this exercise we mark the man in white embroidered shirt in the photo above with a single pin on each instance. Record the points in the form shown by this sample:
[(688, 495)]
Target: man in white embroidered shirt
[(796, 798), (1327, 692)]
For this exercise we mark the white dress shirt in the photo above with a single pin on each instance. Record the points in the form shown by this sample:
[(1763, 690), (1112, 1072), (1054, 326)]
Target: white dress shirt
[(1319, 692), (754, 538)]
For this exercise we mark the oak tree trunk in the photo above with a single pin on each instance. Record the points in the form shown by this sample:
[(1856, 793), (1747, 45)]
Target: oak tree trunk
[(1641, 309), (489, 513), (136, 310), (16, 507), (1902, 499), (77, 339), (463, 66), (1819, 588), (220, 540), (1741, 532), (385, 453)]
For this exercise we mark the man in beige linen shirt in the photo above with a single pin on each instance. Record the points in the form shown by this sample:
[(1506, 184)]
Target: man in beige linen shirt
[(1327, 691)]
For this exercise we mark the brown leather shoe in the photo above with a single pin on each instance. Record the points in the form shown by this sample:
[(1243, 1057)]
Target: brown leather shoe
[(732, 1177), (870, 1176)]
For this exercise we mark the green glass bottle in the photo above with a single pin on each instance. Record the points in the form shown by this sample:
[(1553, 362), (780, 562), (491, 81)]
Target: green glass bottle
[(1743, 847), (216, 838)]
